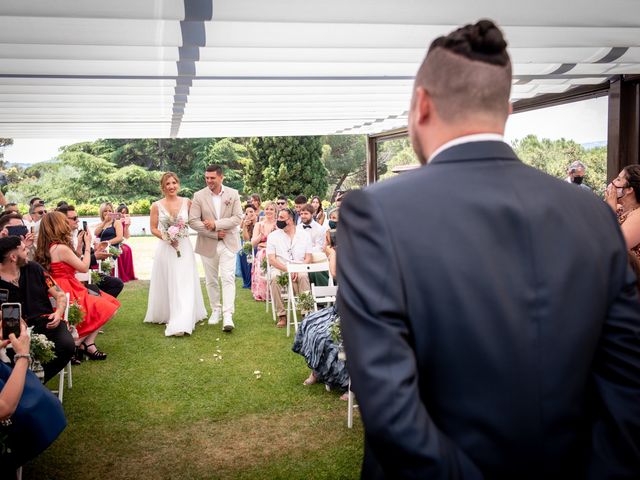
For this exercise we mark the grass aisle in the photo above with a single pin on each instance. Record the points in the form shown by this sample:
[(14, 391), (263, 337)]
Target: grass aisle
[(167, 408)]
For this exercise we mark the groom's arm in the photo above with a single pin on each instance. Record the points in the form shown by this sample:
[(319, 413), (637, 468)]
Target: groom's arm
[(195, 219), (234, 220)]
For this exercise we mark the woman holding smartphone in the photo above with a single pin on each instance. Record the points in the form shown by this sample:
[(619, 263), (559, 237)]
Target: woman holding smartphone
[(110, 230), (125, 260), (56, 255)]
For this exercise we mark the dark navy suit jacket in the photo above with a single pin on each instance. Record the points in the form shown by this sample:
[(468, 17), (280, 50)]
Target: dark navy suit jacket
[(491, 324)]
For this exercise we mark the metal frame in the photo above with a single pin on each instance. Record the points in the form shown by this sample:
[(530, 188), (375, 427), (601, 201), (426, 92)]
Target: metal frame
[(623, 131)]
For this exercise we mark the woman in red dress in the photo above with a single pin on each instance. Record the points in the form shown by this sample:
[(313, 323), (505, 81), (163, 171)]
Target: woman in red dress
[(56, 255), (125, 260)]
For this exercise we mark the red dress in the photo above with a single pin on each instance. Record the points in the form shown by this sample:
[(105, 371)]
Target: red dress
[(98, 309), (125, 264)]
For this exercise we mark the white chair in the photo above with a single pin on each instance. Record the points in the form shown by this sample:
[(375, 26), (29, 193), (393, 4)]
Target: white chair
[(67, 369), (323, 295), (291, 304), (269, 293), (84, 277)]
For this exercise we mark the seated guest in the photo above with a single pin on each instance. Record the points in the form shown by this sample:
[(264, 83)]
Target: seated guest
[(259, 240), (33, 415), (246, 231), (256, 201), (315, 343), (298, 202), (125, 260), (34, 203), (12, 224), (282, 202), (623, 196), (79, 238), (318, 212), (287, 245), (30, 286), (317, 236), (55, 253), (11, 207), (109, 230), (330, 238)]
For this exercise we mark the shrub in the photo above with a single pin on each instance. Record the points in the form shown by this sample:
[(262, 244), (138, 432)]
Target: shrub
[(140, 207), (88, 210)]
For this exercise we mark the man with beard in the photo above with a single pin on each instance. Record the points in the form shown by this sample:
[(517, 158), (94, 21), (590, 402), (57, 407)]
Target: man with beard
[(30, 286), (467, 350)]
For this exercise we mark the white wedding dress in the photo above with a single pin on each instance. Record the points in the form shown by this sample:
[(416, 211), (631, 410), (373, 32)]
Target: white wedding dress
[(175, 297)]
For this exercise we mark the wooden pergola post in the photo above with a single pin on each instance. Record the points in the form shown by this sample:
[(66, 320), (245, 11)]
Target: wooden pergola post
[(623, 135)]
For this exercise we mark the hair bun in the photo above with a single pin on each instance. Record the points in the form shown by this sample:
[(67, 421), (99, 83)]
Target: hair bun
[(482, 41)]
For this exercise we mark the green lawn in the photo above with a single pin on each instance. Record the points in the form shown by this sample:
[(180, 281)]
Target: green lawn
[(167, 408)]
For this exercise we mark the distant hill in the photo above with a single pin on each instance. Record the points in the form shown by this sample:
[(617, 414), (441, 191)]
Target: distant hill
[(591, 145)]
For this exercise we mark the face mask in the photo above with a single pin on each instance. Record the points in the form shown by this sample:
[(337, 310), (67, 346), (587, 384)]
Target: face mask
[(578, 180), (619, 192), (333, 224), (281, 224)]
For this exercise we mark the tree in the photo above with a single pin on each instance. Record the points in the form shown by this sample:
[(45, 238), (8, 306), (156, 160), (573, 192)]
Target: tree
[(231, 156), (294, 166), (555, 156), (343, 156), (4, 142)]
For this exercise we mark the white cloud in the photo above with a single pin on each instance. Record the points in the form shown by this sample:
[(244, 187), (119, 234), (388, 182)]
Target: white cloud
[(29, 150)]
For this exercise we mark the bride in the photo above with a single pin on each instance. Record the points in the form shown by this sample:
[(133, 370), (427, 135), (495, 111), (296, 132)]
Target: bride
[(175, 297)]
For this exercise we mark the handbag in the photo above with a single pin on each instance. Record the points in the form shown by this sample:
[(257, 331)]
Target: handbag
[(38, 420)]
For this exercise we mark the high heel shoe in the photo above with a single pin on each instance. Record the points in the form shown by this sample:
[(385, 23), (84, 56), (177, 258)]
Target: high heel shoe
[(76, 358), (96, 354)]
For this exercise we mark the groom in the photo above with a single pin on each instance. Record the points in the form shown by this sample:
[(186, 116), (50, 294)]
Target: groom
[(215, 214)]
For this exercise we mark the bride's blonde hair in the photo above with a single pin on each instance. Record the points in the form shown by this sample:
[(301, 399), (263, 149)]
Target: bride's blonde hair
[(167, 176)]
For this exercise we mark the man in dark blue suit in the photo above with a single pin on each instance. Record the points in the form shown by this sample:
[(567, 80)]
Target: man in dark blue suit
[(480, 341)]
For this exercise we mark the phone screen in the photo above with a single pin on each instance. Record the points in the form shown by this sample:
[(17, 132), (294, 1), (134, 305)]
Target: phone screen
[(11, 313), (4, 295), (84, 225), (17, 230)]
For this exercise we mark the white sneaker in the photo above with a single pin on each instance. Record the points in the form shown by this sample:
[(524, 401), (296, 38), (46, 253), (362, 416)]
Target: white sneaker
[(214, 319), (227, 323)]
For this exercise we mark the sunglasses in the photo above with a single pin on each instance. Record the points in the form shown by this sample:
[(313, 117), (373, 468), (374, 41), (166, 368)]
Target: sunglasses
[(73, 218), (40, 212), (282, 203)]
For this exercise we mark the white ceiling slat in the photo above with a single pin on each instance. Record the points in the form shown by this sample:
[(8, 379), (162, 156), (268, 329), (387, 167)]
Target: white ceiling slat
[(124, 68)]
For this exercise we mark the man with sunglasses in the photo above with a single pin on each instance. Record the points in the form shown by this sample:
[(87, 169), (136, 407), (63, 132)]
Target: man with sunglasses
[(282, 203), (12, 224)]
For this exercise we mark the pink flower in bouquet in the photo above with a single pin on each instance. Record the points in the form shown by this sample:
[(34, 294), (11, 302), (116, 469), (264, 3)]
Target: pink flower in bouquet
[(175, 231)]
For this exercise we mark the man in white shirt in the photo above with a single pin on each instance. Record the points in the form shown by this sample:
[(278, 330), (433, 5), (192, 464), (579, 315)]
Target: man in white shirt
[(317, 233), (287, 245)]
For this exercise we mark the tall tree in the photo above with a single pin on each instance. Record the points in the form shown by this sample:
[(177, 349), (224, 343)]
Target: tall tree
[(343, 156), (294, 166)]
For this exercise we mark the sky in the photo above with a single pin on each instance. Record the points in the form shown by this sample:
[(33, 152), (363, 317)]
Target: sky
[(583, 122)]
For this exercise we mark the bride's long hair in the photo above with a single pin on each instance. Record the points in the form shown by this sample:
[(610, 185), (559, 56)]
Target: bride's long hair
[(54, 228)]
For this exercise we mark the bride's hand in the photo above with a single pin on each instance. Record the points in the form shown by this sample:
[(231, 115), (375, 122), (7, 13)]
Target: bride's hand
[(174, 243)]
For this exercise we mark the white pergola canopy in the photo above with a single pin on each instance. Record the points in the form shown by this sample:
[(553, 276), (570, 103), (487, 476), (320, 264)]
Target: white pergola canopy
[(214, 68)]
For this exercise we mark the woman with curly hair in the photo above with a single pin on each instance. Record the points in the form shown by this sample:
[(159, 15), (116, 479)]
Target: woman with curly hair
[(55, 253)]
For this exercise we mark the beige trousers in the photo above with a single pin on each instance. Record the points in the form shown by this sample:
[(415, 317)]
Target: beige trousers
[(300, 285)]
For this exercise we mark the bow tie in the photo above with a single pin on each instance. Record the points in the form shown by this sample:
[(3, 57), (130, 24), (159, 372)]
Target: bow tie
[(306, 226)]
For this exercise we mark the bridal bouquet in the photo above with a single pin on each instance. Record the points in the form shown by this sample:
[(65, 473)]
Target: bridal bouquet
[(174, 231), (247, 248)]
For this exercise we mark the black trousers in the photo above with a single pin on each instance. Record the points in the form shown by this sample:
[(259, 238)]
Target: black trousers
[(64, 345), (111, 285)]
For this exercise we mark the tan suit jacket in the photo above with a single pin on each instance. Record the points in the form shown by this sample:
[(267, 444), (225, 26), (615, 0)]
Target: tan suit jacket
[(230, 217)]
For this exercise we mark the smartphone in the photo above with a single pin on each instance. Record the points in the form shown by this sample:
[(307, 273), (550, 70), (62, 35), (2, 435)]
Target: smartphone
[(17, 230), (4, 295), (32, 229), (85, 227), (115, 216), (11, 314)]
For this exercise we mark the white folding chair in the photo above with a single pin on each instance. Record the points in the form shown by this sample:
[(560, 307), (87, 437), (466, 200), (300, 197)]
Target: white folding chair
[(66, 369), (269, 293), (323, 295), (291, 304), (84, 277), (351, 406)]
